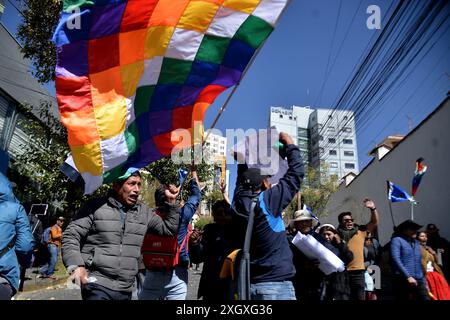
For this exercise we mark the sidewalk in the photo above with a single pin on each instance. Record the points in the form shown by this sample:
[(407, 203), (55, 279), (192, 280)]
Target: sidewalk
[(47, 289)]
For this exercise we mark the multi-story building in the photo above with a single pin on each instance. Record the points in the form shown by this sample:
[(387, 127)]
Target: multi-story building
[(294, 121), (326, 138), (215, 148), (333, 142)]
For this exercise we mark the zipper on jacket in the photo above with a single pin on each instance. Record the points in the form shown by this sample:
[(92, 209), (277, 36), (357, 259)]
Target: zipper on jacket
[(121, 238)]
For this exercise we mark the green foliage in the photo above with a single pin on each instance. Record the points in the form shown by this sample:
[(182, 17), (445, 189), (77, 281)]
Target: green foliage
[(316, 195), (38, 165), (149, 185), (213, 196), (166, 171), (35, 32), (203, 221)]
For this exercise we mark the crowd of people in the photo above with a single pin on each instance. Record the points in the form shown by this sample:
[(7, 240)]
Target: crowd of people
[(117, 248)]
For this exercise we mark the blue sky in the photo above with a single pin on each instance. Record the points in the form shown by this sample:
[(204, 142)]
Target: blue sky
[(291, 70)]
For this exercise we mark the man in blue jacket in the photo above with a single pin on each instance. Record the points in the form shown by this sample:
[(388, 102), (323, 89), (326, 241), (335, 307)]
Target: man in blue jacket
[(271, 266), (409, 281), (16, 240)]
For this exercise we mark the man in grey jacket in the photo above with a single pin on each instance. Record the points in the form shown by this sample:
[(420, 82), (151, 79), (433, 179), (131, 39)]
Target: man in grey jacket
[(102, 244)]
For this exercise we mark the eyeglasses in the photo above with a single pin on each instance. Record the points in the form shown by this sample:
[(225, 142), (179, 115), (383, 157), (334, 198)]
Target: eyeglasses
[(348, 220)]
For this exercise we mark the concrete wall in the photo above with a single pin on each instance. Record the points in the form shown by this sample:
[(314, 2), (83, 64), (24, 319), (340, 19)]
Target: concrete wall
[(430, 140)]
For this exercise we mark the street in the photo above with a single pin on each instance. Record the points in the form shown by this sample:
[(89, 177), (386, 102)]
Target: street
[(46, 289)]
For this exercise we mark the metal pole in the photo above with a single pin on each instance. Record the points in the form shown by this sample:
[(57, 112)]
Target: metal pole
[(412, 210)]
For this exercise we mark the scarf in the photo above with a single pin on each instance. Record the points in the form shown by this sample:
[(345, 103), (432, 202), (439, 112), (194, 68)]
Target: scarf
[(347, 234)]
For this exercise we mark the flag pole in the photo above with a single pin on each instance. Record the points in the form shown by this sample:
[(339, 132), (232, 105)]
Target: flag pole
[(392, 215), (412, 209), (222, 109)]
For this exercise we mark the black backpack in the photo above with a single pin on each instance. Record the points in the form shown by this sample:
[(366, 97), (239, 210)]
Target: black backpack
[(239, 287)]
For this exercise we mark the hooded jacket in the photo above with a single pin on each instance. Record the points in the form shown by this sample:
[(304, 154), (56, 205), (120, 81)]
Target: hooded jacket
[(271, 257), (14, 224)]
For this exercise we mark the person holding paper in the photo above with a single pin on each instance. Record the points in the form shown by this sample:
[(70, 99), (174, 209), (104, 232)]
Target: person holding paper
[(336, 284), (316, 258)]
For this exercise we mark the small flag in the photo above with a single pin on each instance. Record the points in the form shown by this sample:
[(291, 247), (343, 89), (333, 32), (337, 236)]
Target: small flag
[(397, 194), (418, 174), (182, 174)]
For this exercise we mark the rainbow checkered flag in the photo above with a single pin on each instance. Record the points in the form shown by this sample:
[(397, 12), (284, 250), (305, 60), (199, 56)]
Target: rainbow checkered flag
[(418, 174), (130, 73)]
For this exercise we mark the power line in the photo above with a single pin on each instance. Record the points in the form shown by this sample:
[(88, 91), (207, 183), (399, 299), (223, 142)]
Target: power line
[(416, 33), (329, 55)]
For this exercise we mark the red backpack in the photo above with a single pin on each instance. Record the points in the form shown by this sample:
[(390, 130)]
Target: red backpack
[(162, 252)]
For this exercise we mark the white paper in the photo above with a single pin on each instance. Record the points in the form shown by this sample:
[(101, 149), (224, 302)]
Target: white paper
[(313, 249)]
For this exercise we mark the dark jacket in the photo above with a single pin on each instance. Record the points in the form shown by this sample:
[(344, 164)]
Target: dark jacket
[(14, 224), (308, 277), (271, 258), (337, 283), (406, 258), (212, 250), (98, 240)]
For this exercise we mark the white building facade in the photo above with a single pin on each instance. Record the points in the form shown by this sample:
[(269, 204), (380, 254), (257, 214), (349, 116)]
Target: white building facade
[(326, 138)]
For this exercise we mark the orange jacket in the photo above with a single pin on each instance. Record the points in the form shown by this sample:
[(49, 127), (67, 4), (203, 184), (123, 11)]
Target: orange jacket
[(55, 235)]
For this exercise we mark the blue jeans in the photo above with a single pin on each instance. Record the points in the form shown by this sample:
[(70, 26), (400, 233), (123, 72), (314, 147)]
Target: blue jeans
[(279, 290), (165, 285), (49, 268)]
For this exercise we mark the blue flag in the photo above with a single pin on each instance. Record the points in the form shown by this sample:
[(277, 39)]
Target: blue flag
[(182, 174), (397, 194)]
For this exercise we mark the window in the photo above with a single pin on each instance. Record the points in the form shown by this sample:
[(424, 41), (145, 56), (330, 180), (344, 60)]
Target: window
[(321, 151), (320, 138), (347, 141), (331, 140), (345, 117), (349, 166), (333, 152), (281, 116), (303, 143), (302, 132), (346, 129), (333, 164), (290, 117), (331, 129), (349, 153)]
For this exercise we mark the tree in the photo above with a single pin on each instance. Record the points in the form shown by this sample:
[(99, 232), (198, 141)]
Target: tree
[(38, 164), (317, 194), (35, 32), (165, 171)]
